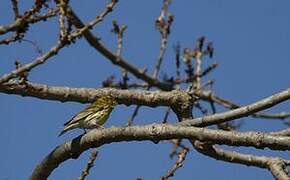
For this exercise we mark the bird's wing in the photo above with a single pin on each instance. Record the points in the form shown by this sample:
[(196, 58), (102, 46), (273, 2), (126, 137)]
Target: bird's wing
[(78, 117)]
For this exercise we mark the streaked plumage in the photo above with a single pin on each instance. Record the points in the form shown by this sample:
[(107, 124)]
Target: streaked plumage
[(94, 116)]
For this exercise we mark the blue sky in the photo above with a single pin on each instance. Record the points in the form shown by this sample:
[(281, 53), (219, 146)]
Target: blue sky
[(251, 41)]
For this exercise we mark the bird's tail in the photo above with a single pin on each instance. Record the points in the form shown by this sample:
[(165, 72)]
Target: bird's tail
[(62, 132), (67, 128)]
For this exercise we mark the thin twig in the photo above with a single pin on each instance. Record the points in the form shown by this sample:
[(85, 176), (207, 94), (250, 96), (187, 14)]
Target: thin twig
[(187, 59), (38, 50), (63, 13), (36, 18), (21, 24), (120, 32), (20, 27), (163, 24), (177, 143), (166, 115), (212, 106), (209, 69), (27, 67), (60, 44), (89, 165), (177, 165), (13, 38), (15, 8), (133, 116), (203, 110), (197, 54), (94, 42), (177, 60), (91, 24)]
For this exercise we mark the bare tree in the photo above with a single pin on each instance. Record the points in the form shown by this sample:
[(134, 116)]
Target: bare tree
[(181, 94)]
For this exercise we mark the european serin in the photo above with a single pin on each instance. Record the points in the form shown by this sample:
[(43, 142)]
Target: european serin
[(94, 116)]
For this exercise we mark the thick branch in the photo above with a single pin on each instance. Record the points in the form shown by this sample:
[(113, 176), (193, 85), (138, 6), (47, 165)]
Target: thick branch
[(155, 132), (86, 95), (209, 96), (240, 112), (275, 164), (146, 98)]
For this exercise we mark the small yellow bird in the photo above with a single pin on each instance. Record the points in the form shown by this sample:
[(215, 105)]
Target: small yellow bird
[(93, 116)]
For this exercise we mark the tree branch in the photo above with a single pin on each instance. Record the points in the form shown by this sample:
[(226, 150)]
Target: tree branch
[(285, 132), (177, 164), (209, 96), (22, 22), (147, 98), (278, 170), (89, 165), (154, 132), (95, 43), (274, 164), (27, 67), (239, 112), (86, 95)]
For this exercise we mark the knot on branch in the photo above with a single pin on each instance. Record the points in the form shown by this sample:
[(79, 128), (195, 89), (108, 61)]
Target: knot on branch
[(155, 131), (182, 104)]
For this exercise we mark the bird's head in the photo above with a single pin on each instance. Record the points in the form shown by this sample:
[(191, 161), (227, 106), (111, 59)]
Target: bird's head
[(106, 100)]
